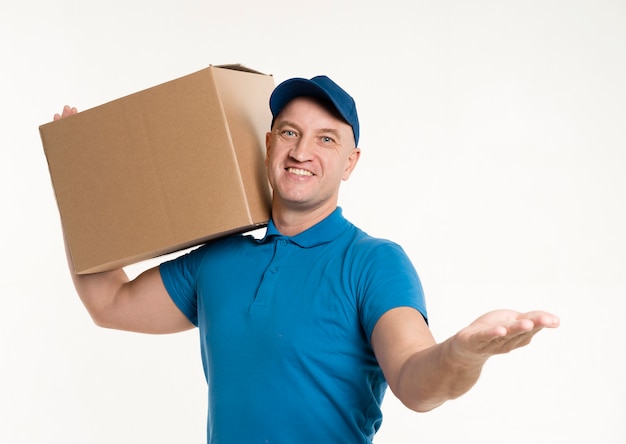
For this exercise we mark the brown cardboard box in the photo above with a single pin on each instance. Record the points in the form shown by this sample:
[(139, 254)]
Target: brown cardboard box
[(163, 169)]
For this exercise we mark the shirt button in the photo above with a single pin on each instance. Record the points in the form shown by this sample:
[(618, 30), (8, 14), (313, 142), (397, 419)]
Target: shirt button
[(283, 242), (274, 269)]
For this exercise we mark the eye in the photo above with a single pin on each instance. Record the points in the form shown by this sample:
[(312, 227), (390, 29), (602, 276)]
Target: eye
[(289, 133), (327, 139)]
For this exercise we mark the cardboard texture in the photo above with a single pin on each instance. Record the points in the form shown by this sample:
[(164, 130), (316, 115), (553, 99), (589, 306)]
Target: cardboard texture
[(163, 169)]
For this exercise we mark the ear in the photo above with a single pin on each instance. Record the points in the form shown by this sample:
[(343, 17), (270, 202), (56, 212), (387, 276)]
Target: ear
[(268, 137), (353, 159)]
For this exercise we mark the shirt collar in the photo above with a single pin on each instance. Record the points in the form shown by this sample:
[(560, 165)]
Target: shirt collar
[(323, 232)]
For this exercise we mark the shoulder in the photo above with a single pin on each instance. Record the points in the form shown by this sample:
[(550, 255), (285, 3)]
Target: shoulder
[(375, 258), (238, 240), (364, 244), (214, 248)]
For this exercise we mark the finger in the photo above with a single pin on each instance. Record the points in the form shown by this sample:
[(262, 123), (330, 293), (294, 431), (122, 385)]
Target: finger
[(542, 319), (509, 342), (67, 111), (519, 341)]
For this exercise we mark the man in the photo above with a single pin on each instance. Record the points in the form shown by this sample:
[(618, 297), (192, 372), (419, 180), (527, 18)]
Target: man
[(301, 331)]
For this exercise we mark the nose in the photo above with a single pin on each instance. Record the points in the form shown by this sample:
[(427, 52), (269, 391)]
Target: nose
[(301, 151)]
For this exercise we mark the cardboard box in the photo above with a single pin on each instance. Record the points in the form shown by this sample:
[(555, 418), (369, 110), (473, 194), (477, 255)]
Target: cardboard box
[(163, 169)]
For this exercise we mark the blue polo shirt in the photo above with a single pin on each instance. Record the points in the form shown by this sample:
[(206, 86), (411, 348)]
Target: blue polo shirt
[(284, 327)]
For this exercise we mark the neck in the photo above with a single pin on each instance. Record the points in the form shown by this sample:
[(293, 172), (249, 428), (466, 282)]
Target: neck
[(291, 222)]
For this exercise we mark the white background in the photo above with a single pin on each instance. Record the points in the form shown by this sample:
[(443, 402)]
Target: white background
[(494, 151)]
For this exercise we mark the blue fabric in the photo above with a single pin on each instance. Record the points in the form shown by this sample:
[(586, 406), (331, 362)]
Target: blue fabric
[(285, 324)]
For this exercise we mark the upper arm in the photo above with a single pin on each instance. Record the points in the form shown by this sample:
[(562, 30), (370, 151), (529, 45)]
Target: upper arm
[(144, 305), (399, 334)]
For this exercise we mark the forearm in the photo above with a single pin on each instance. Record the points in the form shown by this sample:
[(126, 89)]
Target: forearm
[(423, 374), (435, 375)]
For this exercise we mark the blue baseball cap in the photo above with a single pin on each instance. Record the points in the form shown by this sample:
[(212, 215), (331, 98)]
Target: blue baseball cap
[(321, 87)]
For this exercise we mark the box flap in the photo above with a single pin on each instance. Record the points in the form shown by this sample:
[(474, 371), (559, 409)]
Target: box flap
[(238, 67)]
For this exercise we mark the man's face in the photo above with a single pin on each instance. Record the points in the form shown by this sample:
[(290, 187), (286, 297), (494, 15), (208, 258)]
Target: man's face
[(309, 152)]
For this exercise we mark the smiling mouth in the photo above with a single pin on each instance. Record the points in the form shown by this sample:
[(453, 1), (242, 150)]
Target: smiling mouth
[(299, 172)]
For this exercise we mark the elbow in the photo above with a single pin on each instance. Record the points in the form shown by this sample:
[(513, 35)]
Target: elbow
[(424, 408), (421, 405), (100, 318), (100, 322)]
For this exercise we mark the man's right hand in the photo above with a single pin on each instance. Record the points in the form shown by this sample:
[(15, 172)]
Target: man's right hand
[(67, 111)]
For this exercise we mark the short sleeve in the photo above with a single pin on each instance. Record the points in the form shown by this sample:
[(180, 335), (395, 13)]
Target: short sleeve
[(179, 278), (387, 280)]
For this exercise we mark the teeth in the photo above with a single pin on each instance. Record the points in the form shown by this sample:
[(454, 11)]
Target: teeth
[(299, 172)]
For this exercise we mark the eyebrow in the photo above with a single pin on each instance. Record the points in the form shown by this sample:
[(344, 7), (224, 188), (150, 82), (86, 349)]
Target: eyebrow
[(332, 131), (283, 123)]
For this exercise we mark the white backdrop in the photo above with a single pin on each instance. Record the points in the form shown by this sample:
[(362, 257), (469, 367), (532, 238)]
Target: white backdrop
[(494, 151)]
